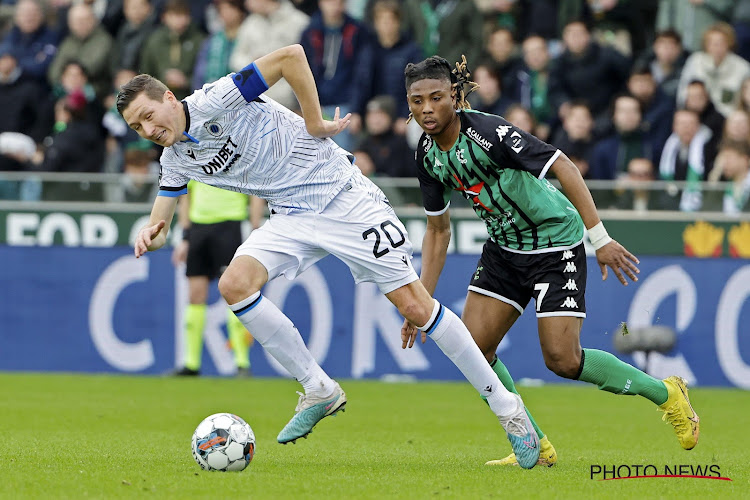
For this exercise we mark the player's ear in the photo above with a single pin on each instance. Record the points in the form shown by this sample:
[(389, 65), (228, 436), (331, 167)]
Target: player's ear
[(170, 97)]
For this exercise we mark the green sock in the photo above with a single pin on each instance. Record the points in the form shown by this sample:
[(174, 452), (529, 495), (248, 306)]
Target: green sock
[(195, 320), (504, 375), (615, 376), (238, 340)]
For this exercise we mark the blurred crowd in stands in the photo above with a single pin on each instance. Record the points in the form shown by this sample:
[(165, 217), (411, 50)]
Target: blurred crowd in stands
[(633, 90)]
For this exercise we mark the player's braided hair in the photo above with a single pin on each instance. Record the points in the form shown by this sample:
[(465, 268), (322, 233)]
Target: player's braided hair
[(438, 68)]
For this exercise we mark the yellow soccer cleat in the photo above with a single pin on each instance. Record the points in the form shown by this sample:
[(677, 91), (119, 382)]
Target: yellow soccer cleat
[(547, 456), (679, 412)]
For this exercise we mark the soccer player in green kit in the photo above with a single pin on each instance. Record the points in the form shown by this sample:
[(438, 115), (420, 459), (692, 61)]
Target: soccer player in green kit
[(535, 246)]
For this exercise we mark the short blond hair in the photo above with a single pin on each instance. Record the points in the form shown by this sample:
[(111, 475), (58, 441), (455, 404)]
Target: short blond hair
[(723, 28)]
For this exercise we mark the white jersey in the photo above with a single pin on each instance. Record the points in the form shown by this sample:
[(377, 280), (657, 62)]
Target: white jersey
[(259, 148)]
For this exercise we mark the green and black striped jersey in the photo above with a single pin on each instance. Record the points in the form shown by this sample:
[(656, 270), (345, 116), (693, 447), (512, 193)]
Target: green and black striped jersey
[(500, 169)]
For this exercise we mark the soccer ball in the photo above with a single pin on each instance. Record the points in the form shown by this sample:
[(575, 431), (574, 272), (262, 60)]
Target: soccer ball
[(223, 441)]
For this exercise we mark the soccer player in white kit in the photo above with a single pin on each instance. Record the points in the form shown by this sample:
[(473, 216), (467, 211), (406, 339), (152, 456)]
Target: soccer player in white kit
[(229, 135)]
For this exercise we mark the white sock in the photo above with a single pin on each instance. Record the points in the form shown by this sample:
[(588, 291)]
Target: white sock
[(454, 339), (277, 334)]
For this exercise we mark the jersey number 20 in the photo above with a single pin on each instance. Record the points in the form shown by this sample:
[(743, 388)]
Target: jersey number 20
[(376, 251)]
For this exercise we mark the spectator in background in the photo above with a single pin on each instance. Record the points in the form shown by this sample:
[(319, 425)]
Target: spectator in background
[(632, 192), (657, 107), (213, 59), (586, 71), (521, 118), (718, 67), (611, 155), (616, 23), (449, 28), (76, 146), (743, 96), (500, 13), (741, 25), (22, 120), (170, 52), (547, 18), (88, 43), (19, 102), (665, 59), (733, 165), (533, 84), (691, 18), (34, 44), (697, 99), (393, 50), (683, 157), (576, 137), (119, 135), (74, 78), (339, 50), (390, 154), (272, 24), (489, 97), (140, 22), (500, 52), (139, 184), (737, 126)]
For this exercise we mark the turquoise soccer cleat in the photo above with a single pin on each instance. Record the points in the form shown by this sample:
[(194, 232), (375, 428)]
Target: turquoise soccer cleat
[(311, 410), (522, 436)]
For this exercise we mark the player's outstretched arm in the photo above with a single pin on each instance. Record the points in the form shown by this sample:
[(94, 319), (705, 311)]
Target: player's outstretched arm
[(290, 63), (609, 253), (154, 235), (434, 251)]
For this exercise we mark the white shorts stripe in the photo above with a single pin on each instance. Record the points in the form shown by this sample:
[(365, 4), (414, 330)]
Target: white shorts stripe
[(482, 291), (439, 212), (561, 313)]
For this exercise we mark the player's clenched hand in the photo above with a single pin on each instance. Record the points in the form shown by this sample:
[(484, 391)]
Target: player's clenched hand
[(146, 237), (329, 128), (621, 261), (409, 335)]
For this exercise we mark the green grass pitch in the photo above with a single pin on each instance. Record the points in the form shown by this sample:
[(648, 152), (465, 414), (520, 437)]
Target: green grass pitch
[(96, 436)]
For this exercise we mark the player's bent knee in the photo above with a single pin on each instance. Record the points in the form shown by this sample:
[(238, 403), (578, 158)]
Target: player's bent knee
[(563, 366), (416, 312), (236, 286)]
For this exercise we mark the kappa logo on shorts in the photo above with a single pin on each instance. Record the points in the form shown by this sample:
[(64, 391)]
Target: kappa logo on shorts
[(570, 267), (570, 302), (570, 285), (567, 254)]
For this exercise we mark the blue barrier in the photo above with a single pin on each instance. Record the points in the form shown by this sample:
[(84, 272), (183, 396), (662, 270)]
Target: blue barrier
[(101, 310)]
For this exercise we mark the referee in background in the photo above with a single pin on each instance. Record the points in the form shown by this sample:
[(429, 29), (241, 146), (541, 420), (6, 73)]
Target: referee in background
[(211, 221)]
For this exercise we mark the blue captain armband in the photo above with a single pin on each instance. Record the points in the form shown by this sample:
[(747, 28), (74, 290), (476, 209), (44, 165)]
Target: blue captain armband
[(250, 82)]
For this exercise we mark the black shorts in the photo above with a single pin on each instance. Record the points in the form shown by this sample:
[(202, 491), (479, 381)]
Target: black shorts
[(557, 280), (211, 247)]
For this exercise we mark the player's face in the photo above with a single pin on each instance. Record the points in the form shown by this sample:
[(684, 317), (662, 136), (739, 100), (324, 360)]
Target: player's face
[(432, 103), (161, 122)]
